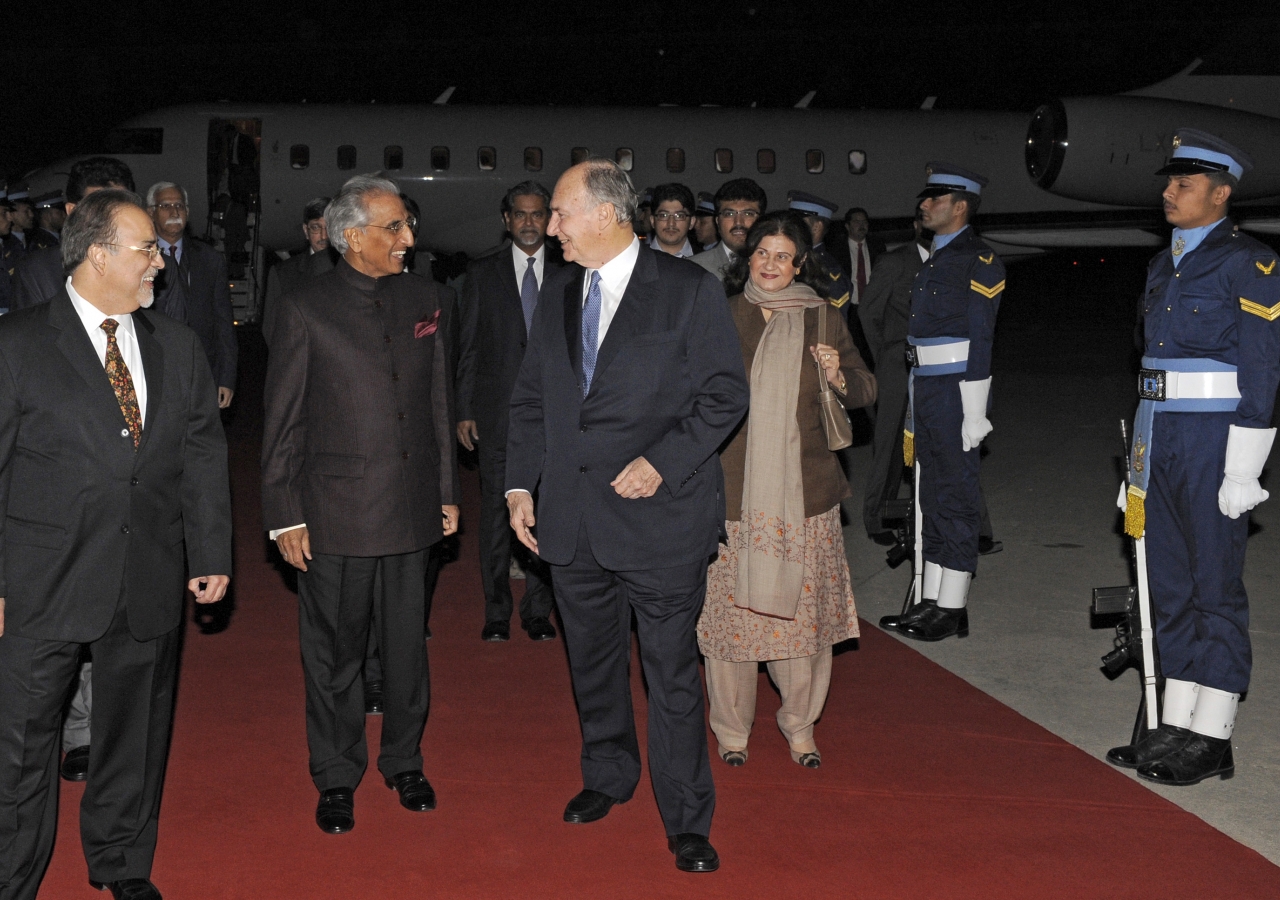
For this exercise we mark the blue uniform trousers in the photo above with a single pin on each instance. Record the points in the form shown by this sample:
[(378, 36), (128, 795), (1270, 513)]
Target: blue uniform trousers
[(1195, 555), (949, 496)]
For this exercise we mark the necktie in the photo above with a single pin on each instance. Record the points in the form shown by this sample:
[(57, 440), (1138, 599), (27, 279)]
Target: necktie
[(529, 295), (590, 331), (860, 279), (122, 382)]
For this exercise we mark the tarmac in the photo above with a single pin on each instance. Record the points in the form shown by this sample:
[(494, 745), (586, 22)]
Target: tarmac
[(1064, 375)]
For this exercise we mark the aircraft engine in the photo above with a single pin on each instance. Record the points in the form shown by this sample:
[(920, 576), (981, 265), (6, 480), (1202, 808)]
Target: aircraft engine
[(1107, 149)]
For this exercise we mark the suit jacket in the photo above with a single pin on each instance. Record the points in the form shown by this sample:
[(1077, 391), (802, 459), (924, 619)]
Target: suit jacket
[(202, 274), (837, 242), (492, 339), (89, 520), (287, 275), (885, 311), (714, 261), (668, 385), (358, 438), (38, 278)]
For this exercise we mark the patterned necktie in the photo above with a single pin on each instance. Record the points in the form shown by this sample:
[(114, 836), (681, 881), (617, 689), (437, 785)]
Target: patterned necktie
[(122, 382), (529, 295), (590, 331)]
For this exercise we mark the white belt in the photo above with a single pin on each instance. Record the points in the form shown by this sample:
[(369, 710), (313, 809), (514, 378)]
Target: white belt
[(941, 354), (1200, 385)]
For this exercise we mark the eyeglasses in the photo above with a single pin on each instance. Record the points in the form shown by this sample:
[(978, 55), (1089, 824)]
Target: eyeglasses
[(666, 214), (170, 207), (397, 226), (315, 228), (746, 215), (153, 251)]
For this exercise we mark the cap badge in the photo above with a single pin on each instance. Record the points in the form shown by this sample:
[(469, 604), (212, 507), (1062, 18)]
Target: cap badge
[(1177, 141)]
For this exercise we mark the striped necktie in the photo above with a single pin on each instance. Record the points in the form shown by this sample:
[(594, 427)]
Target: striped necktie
[(590, 331)]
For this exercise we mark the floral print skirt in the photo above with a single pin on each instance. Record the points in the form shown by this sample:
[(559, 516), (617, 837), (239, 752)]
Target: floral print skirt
[(825, 615)]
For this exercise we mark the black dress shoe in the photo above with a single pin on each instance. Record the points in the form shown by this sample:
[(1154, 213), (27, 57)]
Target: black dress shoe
[(496, 631), (415, 791), (373, 705), (336, 811), (1155, 746), (1199, 758), (987, 546), (936, 623), (895, 623), (540, 629), (75, 765), (694, 853), (128, 889), (588, 806)]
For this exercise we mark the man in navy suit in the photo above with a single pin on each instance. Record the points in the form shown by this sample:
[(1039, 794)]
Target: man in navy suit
[(632, 378)]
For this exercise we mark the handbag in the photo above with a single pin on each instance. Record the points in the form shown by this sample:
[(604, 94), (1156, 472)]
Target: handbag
[(835, 420)]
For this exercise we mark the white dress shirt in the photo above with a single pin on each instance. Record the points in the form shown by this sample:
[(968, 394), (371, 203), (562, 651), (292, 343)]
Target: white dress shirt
[(127, 339), (521, 261), (685, 252), (615, 275), (177, 248), (856, 249)]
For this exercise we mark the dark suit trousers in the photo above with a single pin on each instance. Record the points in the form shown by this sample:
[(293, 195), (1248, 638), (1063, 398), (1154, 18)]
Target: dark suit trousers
[(595, 608), (885, 474), (133, 685), (338, 604), (496, 545)]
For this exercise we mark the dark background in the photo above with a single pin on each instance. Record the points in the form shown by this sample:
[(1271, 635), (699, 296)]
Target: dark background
[(70, 75)]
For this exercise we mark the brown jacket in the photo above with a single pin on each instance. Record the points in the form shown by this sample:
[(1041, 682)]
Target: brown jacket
[(824, 482), (358, 438)]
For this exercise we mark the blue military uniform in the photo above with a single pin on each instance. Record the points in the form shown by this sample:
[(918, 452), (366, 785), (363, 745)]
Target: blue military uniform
[(836, 285), (1211, 366)]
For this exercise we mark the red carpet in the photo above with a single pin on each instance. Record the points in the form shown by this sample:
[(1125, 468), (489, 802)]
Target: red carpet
[(1022, 814)]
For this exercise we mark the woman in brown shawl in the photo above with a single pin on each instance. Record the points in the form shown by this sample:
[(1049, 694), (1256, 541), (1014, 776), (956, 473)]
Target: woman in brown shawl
[(779, 592)]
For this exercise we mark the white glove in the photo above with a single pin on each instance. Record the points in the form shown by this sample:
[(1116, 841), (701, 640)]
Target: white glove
[(1122, 502), (1247, 450), (976, 425)]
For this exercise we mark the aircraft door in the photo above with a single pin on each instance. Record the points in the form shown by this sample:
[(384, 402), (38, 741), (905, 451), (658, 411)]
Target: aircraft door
[(235, 207)]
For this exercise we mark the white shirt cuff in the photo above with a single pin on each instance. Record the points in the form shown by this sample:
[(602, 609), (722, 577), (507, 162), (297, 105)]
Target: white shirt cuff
[(517, 491), (279, 531)]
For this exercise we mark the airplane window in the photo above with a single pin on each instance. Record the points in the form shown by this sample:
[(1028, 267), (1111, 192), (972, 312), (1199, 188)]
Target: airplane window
[(625, 158), (299, 156), (766, 162), (579, 154), (440, 158), (533, 159), (487, 158), (135, 140), (813, 161), (393, 157), (346, 157), (675, 160), (858, 162), (724, 161)]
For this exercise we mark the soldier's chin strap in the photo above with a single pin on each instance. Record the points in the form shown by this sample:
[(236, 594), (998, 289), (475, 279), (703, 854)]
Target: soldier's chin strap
[(1247, 451)]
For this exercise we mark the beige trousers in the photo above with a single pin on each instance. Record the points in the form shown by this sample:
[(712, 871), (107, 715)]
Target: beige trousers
[(803, 683)]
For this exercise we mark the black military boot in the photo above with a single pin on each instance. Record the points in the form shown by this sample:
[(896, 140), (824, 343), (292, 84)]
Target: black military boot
[(1199, 758), (1155, 746)]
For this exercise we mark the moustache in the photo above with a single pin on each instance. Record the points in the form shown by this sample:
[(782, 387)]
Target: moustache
[(176, 221)]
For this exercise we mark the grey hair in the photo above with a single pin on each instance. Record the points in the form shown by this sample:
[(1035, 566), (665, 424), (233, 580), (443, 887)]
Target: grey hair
[(350, 210), (164, 186), (93, 221), (608, 182)]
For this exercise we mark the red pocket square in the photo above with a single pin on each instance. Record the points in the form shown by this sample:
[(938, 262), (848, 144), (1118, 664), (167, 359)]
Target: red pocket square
[(427, 326)]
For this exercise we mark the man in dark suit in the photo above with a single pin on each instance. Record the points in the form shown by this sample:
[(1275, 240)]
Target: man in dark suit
[(113, 462), (39, 276), (359, 466), (632, 378), (314, 259), (193, 288), (884, 313), (498, 300)]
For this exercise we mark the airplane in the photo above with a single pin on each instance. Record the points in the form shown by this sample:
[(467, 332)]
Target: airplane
[(1079, 174)]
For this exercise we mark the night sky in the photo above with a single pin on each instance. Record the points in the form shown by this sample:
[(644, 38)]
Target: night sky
[(69, 78)]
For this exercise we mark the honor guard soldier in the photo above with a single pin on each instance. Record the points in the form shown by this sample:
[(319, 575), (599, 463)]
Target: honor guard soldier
[(817, 215), (1210, 367), (51, 213), (954, 301)]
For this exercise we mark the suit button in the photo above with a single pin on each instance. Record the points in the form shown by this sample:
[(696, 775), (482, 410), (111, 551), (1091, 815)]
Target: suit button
[(395, 376), (386, 339), (582, 469), (400, 415), (124, 529), (583, 428), (378, 304), (404, 455), (133, 481), (124, 432)]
